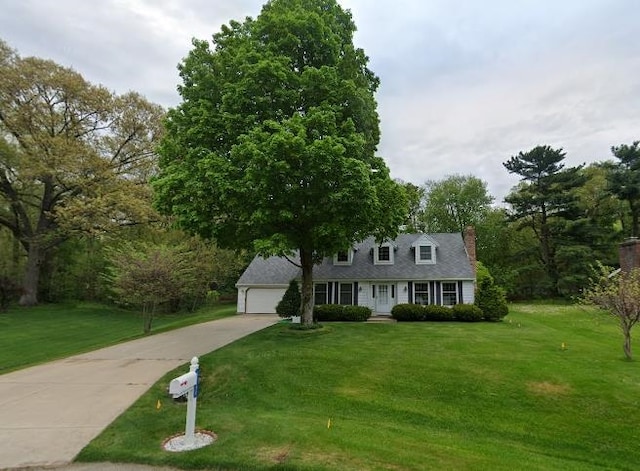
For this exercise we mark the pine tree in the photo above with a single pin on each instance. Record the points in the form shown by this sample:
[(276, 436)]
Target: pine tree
[(290, 303)]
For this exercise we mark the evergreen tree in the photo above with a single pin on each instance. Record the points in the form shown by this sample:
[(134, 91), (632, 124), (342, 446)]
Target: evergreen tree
[(544, 202), (490, 298), (291, 301), (624, 181)]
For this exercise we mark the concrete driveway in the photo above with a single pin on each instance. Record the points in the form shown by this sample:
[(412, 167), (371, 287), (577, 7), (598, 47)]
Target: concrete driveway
[(48, 413)]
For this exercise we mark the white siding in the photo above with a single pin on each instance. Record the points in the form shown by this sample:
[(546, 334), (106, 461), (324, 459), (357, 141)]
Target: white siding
[(468, 292), (403, 293), (241, 299), (364, 294), (261, 300)]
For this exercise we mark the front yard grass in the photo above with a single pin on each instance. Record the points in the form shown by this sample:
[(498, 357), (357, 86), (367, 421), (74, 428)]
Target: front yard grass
[(545, 389), (29, 336)]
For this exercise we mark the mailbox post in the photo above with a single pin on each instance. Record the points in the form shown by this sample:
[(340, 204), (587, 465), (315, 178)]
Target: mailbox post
[(188, 384)]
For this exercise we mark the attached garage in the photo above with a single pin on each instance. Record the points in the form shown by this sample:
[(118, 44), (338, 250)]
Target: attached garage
[(262, 300), (263, 283)]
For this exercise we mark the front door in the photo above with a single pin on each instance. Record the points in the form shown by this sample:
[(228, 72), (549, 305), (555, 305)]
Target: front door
[(384, 299)]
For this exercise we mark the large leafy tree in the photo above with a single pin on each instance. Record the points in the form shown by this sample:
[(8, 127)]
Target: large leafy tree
[(274, 142), (414, 219), (74, 157), (454, 203), (624, 181), (544, 202)]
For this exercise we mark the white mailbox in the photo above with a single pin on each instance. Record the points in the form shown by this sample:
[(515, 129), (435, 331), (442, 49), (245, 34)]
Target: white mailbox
[(182, 384)]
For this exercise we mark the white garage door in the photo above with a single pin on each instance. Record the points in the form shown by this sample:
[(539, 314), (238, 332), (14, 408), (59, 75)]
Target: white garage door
[(263, 300)]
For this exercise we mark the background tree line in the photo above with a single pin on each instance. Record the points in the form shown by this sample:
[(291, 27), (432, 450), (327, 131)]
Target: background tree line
[(555, 225), (77, 219)]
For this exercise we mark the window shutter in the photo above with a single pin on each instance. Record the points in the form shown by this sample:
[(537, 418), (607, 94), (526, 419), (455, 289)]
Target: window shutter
[(432, 292), (410, 292), (355, 293)]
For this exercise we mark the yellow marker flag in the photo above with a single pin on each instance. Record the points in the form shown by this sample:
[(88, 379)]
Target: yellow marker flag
[(158, 405), (329, 423), (564, 347)]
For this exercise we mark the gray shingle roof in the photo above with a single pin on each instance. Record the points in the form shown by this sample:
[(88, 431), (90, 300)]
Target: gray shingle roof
[(270, 271), (452, 262)]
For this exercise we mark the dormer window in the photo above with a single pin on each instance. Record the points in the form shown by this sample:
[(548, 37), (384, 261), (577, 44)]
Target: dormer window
[(383, 255), (425, 250), (425, 253), (344, 257)]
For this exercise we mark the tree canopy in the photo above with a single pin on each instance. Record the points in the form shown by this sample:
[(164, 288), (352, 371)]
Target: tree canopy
[(544, 201), (455, 202), (624, 181), (74, 157), (274, 142)]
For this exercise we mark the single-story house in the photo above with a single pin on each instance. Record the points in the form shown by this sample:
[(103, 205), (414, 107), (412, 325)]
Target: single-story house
[(413, 268)]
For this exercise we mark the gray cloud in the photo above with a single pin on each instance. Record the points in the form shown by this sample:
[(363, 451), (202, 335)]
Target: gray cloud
[(465, 84)]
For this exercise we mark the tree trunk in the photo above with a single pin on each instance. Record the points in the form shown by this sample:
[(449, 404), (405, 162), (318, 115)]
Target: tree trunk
[(548, 251), (626, 330), (32, 276), (306, 261)]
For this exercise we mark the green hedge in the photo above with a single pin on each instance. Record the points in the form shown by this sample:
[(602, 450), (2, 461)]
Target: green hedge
[(430, 313), (467, 313), (434, 312), (408, 312), (340, 313)]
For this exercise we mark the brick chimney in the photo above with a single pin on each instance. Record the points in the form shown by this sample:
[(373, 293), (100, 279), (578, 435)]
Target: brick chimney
[(629, 254), (469, 236)]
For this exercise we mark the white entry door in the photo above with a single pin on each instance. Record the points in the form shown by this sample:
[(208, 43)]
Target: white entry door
[(384, 301)]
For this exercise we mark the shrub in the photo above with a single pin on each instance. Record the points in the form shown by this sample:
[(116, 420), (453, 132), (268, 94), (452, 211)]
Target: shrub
[(408, 312), (491, 300), (290, 303), (434, 312), (356, 313), (467, 313), (340, 312), (327, 312)]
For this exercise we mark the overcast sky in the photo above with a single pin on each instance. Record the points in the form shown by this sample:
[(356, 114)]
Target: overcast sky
[(465, 84)]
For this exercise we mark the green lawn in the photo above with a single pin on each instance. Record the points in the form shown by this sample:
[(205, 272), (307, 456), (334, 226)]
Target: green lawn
[(30, 336), (443, 396)]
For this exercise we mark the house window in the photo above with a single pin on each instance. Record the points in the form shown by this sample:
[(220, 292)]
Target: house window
[(383, 255), (320, 293), (346, 293), (449, 294), (425, 253), (421, 293), (344, 257)]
